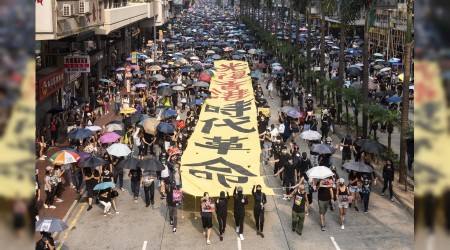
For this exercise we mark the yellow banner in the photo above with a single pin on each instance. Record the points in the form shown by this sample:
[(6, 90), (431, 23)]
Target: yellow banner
[(133, 57), (431, 169), (224, 150)]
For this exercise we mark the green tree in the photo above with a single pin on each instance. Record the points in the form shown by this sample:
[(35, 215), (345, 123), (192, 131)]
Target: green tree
[(353, 97), (392, 119)]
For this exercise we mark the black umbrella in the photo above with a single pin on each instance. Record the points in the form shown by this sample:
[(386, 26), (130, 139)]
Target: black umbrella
[(129, 163), (373, 147), (165, 91), (92, 162), (385, 93), (113, 122), (131, 120), (151, 164), (56, 110), (358, 167), (50, 225), (322, 149), (354, 71)]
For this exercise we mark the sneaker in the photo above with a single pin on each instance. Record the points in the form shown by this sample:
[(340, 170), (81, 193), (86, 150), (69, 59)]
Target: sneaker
[(257, 232), (208, 242), (241, 236), (117, 212), (342, 227), (322, 228), (365, 212), (171, 222), (357, 209), (72, 186), (221, 238), (174, 230), (152, 202), (46, 206), (122, 189), (285, 198), (104, 214), (42, 159), (392, 199), (89, 208), (52, 207), (44, 156), (237, 229), (59, 200), (262, 235), (109, 212), (382, 194)]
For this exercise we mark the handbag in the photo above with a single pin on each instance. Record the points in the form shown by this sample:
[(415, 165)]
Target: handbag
[(177, 195)]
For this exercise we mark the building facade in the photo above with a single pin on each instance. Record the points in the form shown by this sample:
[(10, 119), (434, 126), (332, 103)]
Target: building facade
[(105, 31)]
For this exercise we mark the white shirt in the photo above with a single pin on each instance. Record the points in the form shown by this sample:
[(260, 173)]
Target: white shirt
[(165, 171)]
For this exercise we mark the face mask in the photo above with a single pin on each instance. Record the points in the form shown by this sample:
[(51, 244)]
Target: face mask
[(341, 184), (258, 190), (290, 162), (284, 152), (239, 192)]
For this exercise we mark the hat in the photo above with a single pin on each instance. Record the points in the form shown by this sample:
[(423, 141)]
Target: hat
[(222, 195), (48, 168), (341, 180), (239, 188)]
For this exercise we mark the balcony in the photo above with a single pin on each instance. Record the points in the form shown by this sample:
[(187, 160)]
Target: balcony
[(119, 14)]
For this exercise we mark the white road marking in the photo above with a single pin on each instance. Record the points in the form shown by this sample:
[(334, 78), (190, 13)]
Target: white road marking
[(239, 243), (144, 247), (334, 243)]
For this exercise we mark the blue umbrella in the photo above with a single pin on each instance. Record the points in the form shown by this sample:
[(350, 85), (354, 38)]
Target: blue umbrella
[(170, 112), (256, 74), (104, 80), (278, 73), (104, 185), (165, 128), (138, 72), (164, 84), (196, 102), (185, 70), (394, 99), (237, 57), (79, 134), (216, 57), (276, 64)]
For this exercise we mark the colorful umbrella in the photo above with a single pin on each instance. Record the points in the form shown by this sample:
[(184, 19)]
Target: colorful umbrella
[(109, 137), (64, 157)]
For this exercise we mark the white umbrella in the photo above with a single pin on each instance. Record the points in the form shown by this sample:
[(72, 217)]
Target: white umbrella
[(150, 60), (118, 149), (94, 128), (411, 87), (113, 126), (385, 69), (378, 55), (251, 51), (311, 135), (319, 172), (178, 88), (194, 58), (277, 68)]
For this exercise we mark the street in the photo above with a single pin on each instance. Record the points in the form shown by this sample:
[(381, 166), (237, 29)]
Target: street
[(386, 226)]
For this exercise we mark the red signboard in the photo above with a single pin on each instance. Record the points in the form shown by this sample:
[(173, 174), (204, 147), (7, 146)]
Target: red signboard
[(50, 83)]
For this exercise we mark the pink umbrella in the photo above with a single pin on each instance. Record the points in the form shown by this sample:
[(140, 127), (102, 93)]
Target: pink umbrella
[(204, 77), (129, 59), (109, 137), (133, 66)]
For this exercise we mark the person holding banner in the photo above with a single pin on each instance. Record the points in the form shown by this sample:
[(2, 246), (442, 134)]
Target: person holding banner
[(240, 200), (221, 211), (258, 209), (208, 207)]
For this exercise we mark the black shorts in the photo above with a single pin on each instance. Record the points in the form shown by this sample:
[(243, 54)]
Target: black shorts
[(207, 222), (346, 156), (90, 191)]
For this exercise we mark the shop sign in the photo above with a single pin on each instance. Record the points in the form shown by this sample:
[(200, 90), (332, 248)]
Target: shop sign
[(50, 83), (77, 64)]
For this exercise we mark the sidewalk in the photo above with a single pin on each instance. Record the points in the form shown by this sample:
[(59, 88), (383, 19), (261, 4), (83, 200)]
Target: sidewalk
[(406, 199), (69, 195)]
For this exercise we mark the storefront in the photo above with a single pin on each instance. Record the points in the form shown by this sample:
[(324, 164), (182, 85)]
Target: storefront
[(48, 92), (72, 88)]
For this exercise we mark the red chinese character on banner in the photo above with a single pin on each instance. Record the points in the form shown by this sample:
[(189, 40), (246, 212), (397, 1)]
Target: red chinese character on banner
[(232, 66)]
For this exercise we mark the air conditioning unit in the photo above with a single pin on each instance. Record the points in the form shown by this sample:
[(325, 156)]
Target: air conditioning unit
[(83, 7), (68, 10)]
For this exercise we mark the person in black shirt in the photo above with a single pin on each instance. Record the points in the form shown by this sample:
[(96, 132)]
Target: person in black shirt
[(346, 144), (221, 211), (136, 180), (388, 177), (304, 164), (324, 195), (289, 175), (258, 209), (172, 205), (105, 200), (46, 242), (281, 161), (240, 200), (91, 177), (299, 207)]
